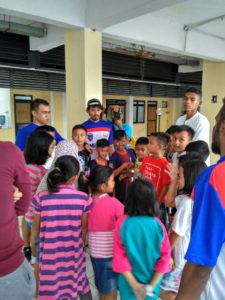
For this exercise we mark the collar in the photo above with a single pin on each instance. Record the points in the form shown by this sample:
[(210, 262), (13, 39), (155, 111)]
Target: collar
[(67, 186)]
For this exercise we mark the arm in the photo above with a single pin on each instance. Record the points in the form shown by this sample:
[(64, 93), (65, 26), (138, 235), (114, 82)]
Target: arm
[(163, 193), (125, 165), (22, 182), (155, 279), (84, 227), (137, 287), (34, 233), (193, 281), (174, 238), (111, 149), (172, 171)]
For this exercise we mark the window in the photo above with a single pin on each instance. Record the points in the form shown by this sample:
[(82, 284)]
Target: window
[(138, 111)]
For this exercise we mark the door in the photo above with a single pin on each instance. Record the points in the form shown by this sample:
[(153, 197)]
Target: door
[(151, 117), (23, 114)]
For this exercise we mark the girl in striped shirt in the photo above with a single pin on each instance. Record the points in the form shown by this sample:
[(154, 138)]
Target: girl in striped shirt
[(59, 215), (101, 224), (39, 148)]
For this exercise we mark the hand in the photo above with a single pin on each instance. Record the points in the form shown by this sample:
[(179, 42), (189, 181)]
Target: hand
[(127, 165), (89, 148), (17, 195), (122, 176), (172, 171), (140, 291), (119, 123)]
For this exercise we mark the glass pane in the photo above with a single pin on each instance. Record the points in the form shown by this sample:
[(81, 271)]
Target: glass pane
[(141, 114), (135, 114)]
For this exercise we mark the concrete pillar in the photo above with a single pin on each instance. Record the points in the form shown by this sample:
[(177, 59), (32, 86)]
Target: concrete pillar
[(83, 61), (212, 85), (129, 110)]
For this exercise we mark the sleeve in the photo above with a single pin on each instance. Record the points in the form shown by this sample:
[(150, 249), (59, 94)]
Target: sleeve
[(162, 265), (120, 262), (182, 219), (37, 205), (208, 230), (58, 137), (88, 204), (110, 135), (202, 130), (21, 139), (22, 181)]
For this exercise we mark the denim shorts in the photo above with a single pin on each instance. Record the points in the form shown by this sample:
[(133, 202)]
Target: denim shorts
[(29, 226), (105, 278)]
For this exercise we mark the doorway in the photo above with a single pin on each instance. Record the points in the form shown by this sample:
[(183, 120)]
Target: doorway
[(151, 117), (22, 107)]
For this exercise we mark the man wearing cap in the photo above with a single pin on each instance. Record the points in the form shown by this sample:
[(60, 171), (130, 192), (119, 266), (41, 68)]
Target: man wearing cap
[(96, 127)]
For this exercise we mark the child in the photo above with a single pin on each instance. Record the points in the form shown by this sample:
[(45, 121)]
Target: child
[(141, 246), (169, 150), (39, 148), (141, 151), (153, 167), (122, 160), (102, 148), (59, 215), (182, 136), (179, 234), (101, 225), (79, 136)]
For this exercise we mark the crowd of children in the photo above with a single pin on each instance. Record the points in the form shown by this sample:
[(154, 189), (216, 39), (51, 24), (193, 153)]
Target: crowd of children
[(133, 208)]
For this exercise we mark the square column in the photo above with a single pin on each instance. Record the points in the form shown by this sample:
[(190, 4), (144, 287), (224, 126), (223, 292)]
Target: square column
[(83, 62)]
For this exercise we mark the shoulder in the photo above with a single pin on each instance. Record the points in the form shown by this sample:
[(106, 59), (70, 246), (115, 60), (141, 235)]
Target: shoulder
[(202, 118), (28, 128), (180, 120), (10, 148)]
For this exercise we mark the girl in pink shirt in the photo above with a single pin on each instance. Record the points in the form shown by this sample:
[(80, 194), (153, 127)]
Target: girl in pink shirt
[(101, 225)]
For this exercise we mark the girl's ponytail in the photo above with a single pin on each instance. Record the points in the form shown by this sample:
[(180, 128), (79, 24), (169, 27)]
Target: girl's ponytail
[(66, 167)]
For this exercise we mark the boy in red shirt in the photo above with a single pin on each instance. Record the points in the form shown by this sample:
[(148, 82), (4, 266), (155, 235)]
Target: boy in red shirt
[(153, 167)]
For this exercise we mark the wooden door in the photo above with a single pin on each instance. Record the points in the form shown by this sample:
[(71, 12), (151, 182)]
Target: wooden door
[(151, 117)]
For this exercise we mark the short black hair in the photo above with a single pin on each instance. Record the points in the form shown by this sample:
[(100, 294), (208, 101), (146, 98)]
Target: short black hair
[(142, 141), (119, 135), (102, 143), (79, 126), (66, 166), (141, 199), (200, 147), (46, 128), (171, 129), (192, 169), (194, 90), (186, 128), (37, 102), (99, 175), (162, 137), (36, 150)]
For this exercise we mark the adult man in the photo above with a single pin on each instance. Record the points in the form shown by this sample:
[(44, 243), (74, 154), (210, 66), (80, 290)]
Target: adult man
[(41, 116), (16, 276), (193, 118), (96, 127), (203, 276)]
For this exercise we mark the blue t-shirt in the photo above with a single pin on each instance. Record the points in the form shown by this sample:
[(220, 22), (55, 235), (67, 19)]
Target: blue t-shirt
[(208, 221), (24, 133)]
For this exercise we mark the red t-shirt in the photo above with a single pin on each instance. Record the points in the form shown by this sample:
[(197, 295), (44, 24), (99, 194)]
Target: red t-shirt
[(154, 170)]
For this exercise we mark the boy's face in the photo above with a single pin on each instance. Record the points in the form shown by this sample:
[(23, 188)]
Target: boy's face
[(103, 152), (154, 146), (79, 136), (121, 144), (180, 141), (95, 113), (141, 151)]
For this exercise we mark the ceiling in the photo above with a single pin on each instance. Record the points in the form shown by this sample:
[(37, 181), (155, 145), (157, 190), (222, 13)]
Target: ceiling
[(179, 31)]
